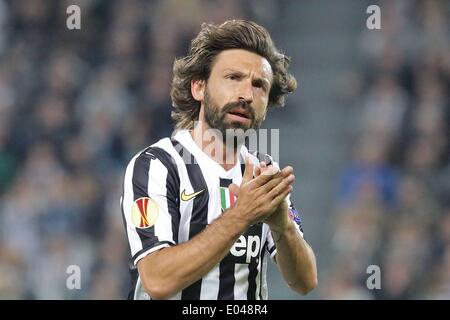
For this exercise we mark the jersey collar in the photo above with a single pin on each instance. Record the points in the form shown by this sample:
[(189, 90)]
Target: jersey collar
[(184, 137)]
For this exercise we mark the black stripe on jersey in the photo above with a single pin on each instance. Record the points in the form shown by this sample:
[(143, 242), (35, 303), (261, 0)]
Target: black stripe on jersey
[(261, 263), (254, 230), (140, 189), (199, 217), (242, 164), (226, 266), (140, 176), (252, 274), (224, 183)]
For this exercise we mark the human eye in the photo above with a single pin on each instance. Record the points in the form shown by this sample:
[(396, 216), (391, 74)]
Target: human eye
[(233, 76), (260, 85)]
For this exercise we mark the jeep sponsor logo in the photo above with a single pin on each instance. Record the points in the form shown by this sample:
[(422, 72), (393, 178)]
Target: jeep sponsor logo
[(247, 247)]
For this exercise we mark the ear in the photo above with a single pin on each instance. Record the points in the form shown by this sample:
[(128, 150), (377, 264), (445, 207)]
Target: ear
[(198, 89)]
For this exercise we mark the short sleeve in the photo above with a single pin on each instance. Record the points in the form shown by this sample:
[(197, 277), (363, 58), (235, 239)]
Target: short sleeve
[(150, 204)]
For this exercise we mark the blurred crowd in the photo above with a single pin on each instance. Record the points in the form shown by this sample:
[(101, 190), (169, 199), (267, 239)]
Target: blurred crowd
[(75, 105), (393, 203)]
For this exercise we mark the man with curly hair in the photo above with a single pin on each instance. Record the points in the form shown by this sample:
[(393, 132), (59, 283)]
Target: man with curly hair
[(202, 221)]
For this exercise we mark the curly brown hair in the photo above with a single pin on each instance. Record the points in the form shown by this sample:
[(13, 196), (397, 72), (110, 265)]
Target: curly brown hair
[(212, 39)]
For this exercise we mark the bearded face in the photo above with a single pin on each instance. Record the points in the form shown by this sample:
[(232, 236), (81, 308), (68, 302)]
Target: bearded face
[(233, 115), (236, 94)]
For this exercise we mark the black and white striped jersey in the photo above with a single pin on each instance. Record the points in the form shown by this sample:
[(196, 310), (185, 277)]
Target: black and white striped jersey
[(172, 191)]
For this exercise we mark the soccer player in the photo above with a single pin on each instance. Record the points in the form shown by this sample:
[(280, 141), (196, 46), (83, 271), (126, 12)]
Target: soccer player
[(201, 224)]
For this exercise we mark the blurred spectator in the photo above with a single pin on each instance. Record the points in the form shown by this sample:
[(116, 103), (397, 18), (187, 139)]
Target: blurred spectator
[(401, 167), (370, 169)]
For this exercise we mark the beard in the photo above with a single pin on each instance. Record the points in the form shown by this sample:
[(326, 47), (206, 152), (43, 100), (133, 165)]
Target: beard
[(215, 118)]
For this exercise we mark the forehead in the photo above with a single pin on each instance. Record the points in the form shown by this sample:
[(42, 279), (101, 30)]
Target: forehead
[(244, 61)]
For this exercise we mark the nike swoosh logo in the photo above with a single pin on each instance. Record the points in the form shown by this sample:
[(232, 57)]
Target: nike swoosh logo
[(187, 197)]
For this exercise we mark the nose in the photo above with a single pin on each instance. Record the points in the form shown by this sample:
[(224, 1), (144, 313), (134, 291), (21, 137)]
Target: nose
[(246, 91)]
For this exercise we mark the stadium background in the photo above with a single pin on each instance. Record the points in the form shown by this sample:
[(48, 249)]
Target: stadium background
[(367, 132)]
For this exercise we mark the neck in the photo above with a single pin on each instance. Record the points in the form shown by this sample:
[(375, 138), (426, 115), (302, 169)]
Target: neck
[(212, 143)]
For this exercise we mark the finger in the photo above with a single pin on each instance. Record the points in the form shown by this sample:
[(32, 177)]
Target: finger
[(248, 172), (264, 177), (260, 169), (234, 189), (271, 173), (283, 185), (270, 170), (287, 171), (266, 188), (279, 198), (257, 171), (264, 167)]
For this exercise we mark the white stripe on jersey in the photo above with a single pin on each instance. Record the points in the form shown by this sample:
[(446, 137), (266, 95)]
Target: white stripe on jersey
[(210, 285), (264, 291), (163, 225), (258, 277), (241, 273)]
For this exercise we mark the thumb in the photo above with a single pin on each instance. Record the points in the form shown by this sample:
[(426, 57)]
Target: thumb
[(248, 172), (234, 189)]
